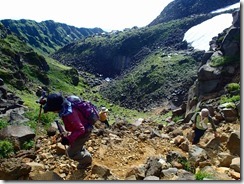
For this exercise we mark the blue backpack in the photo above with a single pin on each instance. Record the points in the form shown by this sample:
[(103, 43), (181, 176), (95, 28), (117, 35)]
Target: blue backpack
[(87, 109)]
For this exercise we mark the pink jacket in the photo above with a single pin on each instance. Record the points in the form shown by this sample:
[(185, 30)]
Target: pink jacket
[(74, 123)]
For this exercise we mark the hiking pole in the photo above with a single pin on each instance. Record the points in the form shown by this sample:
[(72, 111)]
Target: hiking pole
[(41, 101), (61, 130), (39, 116), (38, 123)]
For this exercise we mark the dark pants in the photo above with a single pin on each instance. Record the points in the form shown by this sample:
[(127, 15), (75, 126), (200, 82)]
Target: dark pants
[(78, 152), (198, 134), (106, 123)]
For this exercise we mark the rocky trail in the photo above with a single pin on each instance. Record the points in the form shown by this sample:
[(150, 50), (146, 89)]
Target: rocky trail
[(118, 149), (144, 151)]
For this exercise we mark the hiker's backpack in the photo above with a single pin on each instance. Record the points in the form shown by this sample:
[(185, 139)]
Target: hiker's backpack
[(88, 110)]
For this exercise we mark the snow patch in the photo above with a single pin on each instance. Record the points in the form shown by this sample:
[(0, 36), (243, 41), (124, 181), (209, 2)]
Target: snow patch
[(200, 35)]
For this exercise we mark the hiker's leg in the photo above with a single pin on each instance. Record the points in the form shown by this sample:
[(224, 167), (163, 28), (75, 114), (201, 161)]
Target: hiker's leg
[(77, 151), (198, 134), (106, 123)]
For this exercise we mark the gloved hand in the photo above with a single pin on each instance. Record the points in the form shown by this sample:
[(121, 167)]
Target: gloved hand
[(42, 101), (65, 141)]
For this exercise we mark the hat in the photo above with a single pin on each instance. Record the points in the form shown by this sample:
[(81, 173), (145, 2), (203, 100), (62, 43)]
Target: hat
[(204, 112), (104, 109), (54, 103)]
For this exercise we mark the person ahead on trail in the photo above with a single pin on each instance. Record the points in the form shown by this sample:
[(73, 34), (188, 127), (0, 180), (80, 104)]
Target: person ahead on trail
[(75, 124), (103, 116), (200, 124)]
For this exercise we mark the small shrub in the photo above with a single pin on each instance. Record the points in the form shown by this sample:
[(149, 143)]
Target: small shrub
[(43, 77), (200, 175), (233, 87), (226, 99), (177, 118), (45, 119), (187, 165), (3, 124), (6, 148), (223, 60), (74, 76), (218, 61), (28, 145)]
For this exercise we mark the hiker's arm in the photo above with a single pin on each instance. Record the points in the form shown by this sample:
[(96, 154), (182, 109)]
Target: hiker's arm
[(193, 120), (213, 125), (73, 125)]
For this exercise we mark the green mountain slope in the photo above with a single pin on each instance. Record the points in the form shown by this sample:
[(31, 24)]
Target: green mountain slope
[(112, 54), (23, 71), (161, 79), (47, 36), (19, 63)]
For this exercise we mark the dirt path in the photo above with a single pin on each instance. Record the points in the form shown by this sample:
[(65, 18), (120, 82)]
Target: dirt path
[(121, 156)]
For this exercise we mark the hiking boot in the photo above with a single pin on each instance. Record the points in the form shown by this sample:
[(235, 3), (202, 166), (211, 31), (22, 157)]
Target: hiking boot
[(85, 162), (83, 166)]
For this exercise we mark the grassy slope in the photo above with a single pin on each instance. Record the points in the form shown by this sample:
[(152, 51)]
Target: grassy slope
[(120, 51), (60, 82), (11, 49), (153, 80), (47, 36)]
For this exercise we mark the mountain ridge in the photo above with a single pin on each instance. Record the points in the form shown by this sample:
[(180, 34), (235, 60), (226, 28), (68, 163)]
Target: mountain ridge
[(47, 36), (179, 9)]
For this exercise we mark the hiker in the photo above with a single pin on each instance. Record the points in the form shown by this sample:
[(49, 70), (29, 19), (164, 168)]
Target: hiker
[(200, 124), (103, 116), (78, 130)]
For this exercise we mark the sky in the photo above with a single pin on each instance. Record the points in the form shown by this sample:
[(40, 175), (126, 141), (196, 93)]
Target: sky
[(106, 14)]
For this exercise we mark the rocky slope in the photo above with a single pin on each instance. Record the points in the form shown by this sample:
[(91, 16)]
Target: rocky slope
[(178, 9), (140, 151)]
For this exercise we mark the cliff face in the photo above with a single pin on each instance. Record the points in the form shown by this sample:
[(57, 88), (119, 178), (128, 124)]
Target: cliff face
[(220, 67), (179, 9)]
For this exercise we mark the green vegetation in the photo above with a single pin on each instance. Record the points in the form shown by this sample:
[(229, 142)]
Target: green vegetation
[(47, 36), (20, 64), (223, 60), (187, 165), (233, 87), (226, 99), (152, 79), (233, 93), (28, 145), (115, 50), (200, 175), (3, 123), (6, 148), (162, 118), (44, 121), (61, 80), (177, 118)]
